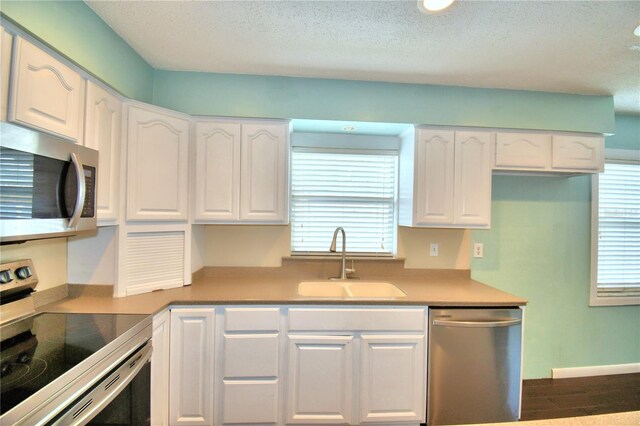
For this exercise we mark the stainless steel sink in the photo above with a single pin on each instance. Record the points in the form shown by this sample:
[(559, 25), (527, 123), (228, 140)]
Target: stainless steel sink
[(347, 289)]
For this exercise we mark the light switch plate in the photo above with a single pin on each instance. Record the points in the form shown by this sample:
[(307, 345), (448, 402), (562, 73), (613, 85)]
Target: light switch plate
[(433, 249)]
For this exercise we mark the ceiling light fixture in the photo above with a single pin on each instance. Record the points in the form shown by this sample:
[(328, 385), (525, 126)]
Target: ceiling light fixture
[(349, 128), (434, 6), (637, 31)]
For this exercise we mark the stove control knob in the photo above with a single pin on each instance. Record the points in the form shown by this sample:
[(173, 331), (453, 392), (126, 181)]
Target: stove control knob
[(23, 273), (5, 276)]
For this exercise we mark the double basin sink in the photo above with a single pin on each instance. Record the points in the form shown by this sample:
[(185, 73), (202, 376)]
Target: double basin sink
[(350, 289)]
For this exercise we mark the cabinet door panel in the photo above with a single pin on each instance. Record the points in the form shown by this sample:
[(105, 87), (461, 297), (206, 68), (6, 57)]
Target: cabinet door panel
[(250, 401), (217, 171), (46, 93), (157, 166), (6, 42), (191, 366), (392, 374), (578, 152), (433, 188), (250, 355), (263, 187), (320, 375), (160, 370), (523, 151), (102, 132), (472, 198)]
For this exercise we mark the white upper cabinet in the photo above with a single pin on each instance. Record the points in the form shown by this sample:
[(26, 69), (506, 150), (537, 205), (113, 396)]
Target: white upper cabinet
[(445, 178), (524, 151), (46, 94), (578, 152), (217, 182), (472, 187), (241, 172), (157, 165), (102, 132), (263, 182), (546, 152), (6, 41)]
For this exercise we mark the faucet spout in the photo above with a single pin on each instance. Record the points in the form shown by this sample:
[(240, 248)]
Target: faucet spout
[(343, 270)]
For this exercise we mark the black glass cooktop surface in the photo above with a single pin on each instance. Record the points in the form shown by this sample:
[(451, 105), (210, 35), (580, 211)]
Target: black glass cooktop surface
[(40, 349)]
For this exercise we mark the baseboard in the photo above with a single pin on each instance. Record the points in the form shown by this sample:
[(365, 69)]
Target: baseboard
[(596, 370)]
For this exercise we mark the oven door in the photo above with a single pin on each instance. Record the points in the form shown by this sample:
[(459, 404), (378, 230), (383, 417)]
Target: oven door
[(47, 185), (121, 397)]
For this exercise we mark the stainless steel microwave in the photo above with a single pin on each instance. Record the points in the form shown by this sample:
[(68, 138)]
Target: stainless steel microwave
[(47, 185)]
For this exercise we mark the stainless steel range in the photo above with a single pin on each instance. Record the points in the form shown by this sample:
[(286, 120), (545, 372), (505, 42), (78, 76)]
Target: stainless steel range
[(69, 369)]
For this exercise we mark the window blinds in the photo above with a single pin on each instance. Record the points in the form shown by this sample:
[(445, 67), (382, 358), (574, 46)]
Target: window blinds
[(619, 230), (340, 188)]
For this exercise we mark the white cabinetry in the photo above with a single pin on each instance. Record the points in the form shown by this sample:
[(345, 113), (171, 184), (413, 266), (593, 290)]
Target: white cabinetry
[(548, 152), (102, 132), (46, 94), (241, 172), (445, 178), (372, 360), (191, 366), (6, 41), (157, 164), (160, 370)]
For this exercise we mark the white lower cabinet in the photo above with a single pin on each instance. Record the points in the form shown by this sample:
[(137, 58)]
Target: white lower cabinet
[(160, 370), (280, 365), (191, 366)]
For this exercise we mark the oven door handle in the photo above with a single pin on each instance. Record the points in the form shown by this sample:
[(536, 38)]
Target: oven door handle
[(101, 394), (81, 192)]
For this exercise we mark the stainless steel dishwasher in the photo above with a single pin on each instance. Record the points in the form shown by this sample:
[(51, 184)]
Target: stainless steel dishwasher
[(474, 365)]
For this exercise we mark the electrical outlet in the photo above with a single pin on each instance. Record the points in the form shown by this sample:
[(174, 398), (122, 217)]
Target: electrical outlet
[(433, 249), (478, 250)]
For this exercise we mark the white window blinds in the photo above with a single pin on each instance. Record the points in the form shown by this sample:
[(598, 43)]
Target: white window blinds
[(619, 230), (355, 190)]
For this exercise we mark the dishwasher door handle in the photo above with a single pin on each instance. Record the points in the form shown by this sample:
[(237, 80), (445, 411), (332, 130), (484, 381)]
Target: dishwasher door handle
[(478, 324)]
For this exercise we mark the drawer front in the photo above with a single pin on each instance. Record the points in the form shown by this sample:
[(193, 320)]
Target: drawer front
[(250, 401), (353, 319), (523, 151), (250, 355), (252, 319)]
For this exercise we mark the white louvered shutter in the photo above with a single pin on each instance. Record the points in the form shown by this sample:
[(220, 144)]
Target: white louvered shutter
[(619, 230), (352, 189)]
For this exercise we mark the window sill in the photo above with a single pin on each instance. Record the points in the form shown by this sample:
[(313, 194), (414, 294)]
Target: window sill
[(614, 301)]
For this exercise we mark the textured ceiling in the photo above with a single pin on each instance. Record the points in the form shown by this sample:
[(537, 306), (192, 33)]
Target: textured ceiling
[(582, 47)]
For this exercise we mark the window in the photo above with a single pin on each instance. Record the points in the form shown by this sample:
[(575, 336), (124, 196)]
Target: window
[(616, 234), (355, 189)]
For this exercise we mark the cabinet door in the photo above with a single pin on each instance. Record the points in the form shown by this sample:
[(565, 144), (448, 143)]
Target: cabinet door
[(472, 194), (392, 379), (523, 151), (433, 188), (578, 153), (263, 181), (6, 40), (319, 379), (160, 370), (46, 94), (102, 132), (217, 172), (157, 165), (191, 366)]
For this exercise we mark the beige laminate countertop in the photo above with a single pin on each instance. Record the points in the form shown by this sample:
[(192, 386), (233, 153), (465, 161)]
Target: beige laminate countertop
[(267, 286)]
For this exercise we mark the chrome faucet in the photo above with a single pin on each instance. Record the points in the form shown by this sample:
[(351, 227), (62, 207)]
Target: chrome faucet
[(343, 270)]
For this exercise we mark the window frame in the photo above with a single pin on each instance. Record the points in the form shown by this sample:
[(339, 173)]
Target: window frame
[(620, 156), (360, 151)]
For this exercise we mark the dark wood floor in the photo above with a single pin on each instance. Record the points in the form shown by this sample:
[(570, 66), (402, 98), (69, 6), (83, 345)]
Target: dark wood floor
[(555, 398)]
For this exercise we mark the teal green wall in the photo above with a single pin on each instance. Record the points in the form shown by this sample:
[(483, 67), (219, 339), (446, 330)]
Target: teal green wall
[(73, 29), (627, 134), (288, 97), (538, 248)]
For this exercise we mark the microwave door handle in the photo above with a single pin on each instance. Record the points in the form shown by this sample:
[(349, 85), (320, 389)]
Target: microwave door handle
[(80, 194)]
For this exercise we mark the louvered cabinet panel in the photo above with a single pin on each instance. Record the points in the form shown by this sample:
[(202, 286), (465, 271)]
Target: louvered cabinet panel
[(46, 94), (154, 260)]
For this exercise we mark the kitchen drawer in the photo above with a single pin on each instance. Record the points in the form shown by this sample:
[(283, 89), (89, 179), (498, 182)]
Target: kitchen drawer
[(251, 355), (252, 319), (354, 319), (250, 401)]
